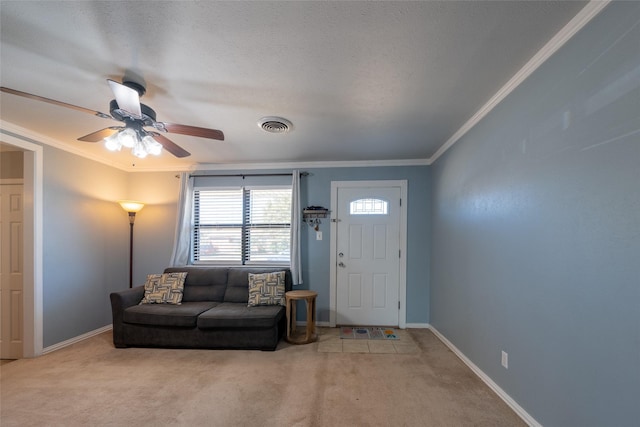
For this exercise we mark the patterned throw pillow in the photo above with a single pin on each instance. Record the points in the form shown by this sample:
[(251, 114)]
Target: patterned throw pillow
[(164, 288), (266, 289)]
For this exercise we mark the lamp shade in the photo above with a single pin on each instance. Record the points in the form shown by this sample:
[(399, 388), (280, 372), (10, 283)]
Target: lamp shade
[(131, 205)]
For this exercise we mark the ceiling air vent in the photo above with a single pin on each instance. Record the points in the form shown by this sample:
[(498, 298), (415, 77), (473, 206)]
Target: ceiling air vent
[(275, 125)]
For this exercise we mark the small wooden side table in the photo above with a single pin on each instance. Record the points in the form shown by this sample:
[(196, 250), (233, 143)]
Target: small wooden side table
[(291, 298)]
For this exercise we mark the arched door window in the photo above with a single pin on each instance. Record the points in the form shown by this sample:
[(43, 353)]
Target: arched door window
[(369, 207)]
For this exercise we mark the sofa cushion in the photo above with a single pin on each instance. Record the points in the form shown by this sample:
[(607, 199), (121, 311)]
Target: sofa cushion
[(203, 283), (238, 282), (164, 288), (184, 315), (266, 289), (239, 315), (237, 288)]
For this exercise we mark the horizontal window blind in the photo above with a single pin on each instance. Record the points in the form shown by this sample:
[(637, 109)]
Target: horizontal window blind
[(242, 226)]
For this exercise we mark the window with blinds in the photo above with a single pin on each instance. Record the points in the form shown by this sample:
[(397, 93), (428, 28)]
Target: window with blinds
[(242, 226)]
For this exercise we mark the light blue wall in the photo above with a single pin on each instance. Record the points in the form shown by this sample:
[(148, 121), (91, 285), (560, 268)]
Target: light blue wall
[(536, 233), (86, 236), (85, 244), (316, 190), (156, 223)]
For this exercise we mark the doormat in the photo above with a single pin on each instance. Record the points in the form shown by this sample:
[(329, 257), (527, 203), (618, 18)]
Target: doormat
[(361, 333)]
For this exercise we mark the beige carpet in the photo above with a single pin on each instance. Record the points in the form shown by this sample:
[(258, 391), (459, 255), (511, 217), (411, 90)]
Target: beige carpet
[(94, 384)]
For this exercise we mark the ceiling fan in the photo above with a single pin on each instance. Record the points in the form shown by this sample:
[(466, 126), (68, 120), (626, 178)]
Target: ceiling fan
[(126, 107)]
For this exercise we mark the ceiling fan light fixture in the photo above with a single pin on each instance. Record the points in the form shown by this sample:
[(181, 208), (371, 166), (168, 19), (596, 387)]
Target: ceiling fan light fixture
[(128, 137), (139, 151), (151, 145), (112, 143), (140, 142), (273, 124), (126, 107)]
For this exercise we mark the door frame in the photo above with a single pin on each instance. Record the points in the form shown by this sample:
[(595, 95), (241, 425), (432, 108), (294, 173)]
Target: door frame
[(33, 247), (17, 182), (333, 271)]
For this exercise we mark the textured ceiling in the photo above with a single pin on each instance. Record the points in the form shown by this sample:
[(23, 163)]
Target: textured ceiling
[(361, 81)]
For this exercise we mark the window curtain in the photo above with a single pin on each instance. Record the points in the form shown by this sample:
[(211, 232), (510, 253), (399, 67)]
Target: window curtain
[(182, 238), (296, 264)]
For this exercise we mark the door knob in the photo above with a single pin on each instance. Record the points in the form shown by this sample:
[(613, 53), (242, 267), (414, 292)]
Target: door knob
[(341, 264), (340, 254)]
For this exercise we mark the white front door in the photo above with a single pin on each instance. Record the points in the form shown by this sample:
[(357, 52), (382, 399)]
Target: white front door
[(11, 271), (367, 258)]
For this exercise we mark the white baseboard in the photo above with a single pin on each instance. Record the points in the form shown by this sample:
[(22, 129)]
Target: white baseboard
[(320, 324), (488, 381), (328, 324), (74, 340), (418, 325)]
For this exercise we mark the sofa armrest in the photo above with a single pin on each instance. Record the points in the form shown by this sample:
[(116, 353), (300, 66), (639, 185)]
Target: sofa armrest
[(119, 302), (127, 298)]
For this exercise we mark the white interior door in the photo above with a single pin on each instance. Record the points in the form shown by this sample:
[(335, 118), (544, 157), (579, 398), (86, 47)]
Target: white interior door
[(11, 271), (368, 255)]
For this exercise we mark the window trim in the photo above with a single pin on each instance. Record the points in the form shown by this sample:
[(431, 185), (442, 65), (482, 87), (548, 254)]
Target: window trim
[(245, 227)]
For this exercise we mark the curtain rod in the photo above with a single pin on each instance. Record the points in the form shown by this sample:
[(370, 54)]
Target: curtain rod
[(243, 175)]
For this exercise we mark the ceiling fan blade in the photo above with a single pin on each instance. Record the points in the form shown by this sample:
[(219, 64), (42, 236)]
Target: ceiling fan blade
[(100, 135), (128, 99), (54, 102), (194, 131), (170, 146)]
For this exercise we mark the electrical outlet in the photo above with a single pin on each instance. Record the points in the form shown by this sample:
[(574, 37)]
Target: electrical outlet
[(505, 360), (318, 235)]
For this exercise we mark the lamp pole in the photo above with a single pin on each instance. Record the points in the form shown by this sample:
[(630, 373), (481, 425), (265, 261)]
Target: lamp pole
[(132, 218), (131, 207)]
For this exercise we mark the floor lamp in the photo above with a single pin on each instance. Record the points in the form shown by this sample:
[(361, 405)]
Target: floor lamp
[(131, 206)]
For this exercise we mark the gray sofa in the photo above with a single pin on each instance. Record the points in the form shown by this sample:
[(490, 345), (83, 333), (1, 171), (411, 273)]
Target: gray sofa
[(213, 314)]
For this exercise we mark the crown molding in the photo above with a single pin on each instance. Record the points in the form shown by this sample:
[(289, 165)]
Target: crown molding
[(40, 139), (312, 165), (593, 8)]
